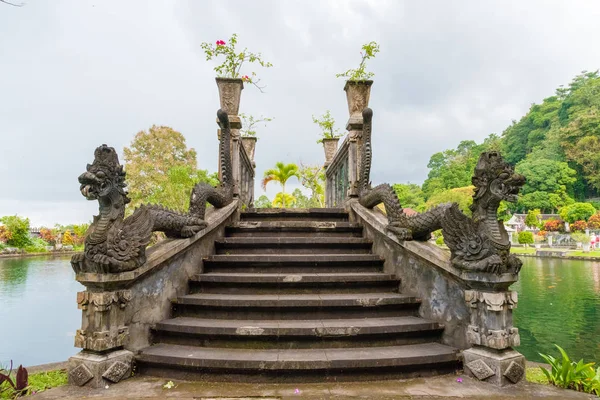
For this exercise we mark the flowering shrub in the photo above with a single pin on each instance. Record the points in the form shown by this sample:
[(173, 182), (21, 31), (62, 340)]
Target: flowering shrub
[(49, 235), (5, 234), (360, 74), (594, 221), (554, 225), (230, 67), (579, 226)]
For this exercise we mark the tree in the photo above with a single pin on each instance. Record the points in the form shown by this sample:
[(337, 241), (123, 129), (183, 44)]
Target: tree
[(313, 178), (283, 200), (159, 165), (463, 196), (410, 195), (49, 235), (263, 202), (525, 237), (577, 211), (532, 218), (18, 231), (280, 174), (543, 175), (546, 202)]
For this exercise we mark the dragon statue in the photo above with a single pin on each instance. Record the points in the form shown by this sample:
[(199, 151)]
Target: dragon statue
[(479, 243), (114, 243)]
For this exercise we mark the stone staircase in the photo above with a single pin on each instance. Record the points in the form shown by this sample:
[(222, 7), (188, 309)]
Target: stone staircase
[(295, 295)]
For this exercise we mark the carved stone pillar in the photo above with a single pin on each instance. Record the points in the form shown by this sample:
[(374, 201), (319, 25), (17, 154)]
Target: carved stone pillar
[(102, 335), (493, 335)]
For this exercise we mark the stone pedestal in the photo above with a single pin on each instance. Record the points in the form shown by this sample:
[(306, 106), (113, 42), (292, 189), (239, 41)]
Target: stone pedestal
[(499, 367), (96, 370)]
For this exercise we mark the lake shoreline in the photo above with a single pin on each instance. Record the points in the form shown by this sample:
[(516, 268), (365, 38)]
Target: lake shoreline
[(45, 254), (578, 258)]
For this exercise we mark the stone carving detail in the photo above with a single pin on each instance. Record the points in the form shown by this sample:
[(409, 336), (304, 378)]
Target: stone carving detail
[(480, 369), (495, 339), (117, 372), (101, 340), (103, 301), (117, 244), (514, 372), (80, 375), (494, 301)]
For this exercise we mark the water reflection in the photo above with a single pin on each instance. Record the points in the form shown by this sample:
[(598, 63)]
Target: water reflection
[(38, 310), (559, 302)]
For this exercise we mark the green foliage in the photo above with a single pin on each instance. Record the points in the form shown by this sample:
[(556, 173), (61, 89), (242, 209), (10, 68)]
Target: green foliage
[(545, 175), (47, 380), (249, 124), (263, 202), (577, 211), (463, 196), (580, 237), (18, 231), (534, 375), (532, 218), (546, 202), (525, 237), (410, 195), (281, 173), (439, 241), (360, 74), (327, 124), (231, 66), (284, 200), (312, 177), (161, 169), (568, 374), (37, 245)]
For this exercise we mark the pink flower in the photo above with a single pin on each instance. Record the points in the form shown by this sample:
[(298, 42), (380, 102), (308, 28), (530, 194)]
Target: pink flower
[(246, 78), (459, 380), (220, 43)]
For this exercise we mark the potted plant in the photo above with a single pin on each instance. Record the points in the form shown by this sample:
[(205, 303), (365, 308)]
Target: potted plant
[(248, 132), (582, 240), (358, 83), (330, 135), (229, 79)]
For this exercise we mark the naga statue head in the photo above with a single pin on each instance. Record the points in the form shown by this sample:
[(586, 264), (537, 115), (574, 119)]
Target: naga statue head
[(495, 180), (103, 176)]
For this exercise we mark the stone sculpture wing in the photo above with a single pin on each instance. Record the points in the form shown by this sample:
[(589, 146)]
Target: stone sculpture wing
[(461, 235), (128, 240)]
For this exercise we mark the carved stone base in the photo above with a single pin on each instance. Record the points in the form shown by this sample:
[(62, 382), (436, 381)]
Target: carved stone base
[(500, 367), (97, 370)]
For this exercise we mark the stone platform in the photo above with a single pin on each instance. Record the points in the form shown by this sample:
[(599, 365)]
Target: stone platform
[(439, 387)]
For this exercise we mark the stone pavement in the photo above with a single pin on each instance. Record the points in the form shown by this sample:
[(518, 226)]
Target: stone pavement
[(439, 387)]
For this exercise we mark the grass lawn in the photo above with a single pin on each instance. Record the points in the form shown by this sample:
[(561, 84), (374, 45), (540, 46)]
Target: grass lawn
[(531, 250), (535, 375), (38, 382)]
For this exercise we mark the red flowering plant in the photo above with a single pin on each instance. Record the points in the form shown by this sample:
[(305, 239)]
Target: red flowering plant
[(579, 226), (594, 221), (231, 66), (554, 225)]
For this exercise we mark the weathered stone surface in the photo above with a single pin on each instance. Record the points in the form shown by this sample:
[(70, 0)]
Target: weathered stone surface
[(80, 375), (90, 368), (480, 369), (117, 371), (491, 319), (508, 365)]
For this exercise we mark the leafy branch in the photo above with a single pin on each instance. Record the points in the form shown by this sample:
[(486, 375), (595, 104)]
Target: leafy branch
[(368, 51), (249, 123), (327, 124)]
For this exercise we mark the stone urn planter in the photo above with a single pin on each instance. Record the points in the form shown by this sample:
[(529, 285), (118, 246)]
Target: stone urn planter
[(586, 247), (357, 95), (249, 143), (330, 146), (230, 92)]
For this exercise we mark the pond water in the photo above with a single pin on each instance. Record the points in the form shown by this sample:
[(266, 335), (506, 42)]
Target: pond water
[(559, 302)]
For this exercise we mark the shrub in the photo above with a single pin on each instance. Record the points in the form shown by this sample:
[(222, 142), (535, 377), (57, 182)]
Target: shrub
[(67, 238), (580, 237), (525, 237), (568, 374), (37, 245), (532, 218), (576, 212), (579, 226), (554, 225), (594, 221), (18, 229)]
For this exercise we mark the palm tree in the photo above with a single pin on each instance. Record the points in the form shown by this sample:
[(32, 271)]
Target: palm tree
[(282, 199), (281, 173)]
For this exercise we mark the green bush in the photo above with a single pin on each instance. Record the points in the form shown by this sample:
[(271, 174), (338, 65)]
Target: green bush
[(37, 245), (525, 237), (19, 230), (568, 374), (576, 212)]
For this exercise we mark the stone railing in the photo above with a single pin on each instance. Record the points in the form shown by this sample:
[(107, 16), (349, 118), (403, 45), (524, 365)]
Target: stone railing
[(119, 309), (338, 174), (245, 178)]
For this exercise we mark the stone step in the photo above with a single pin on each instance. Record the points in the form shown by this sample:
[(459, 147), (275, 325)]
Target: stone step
[(308, 263), (295, 306), (164, 359), (296, 334), (293, 245), (293, 229), (263, 283), (294, 214)]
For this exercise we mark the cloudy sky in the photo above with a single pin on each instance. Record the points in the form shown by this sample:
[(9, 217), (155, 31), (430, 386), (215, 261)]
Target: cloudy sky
[(78, 73)]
